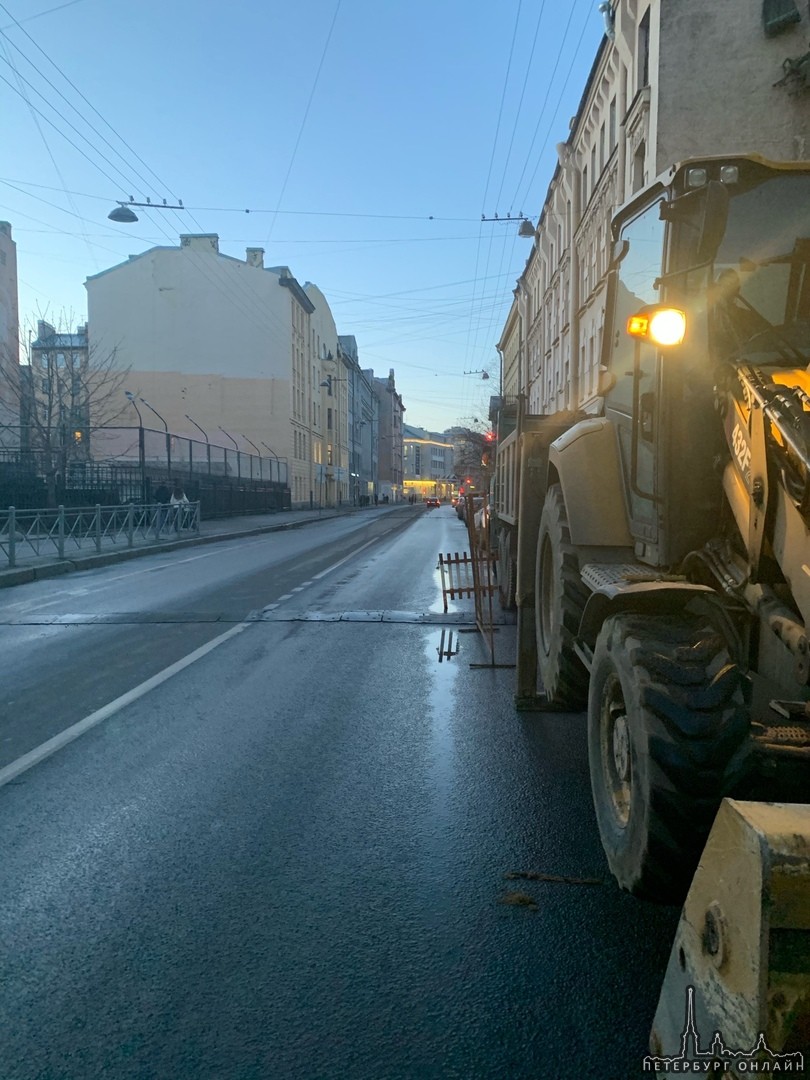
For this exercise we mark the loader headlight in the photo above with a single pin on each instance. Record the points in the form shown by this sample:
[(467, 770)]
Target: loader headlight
[(659, 325)]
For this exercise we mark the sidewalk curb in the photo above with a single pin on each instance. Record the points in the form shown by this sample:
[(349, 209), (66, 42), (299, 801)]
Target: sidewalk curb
[(20, 575)]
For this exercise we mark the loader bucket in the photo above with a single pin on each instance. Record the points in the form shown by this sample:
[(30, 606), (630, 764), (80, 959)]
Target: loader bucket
[(737, 985)]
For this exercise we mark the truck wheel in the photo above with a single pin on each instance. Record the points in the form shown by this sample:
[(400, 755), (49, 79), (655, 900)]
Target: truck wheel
[(507, 572), (667, 740), (560, 598)]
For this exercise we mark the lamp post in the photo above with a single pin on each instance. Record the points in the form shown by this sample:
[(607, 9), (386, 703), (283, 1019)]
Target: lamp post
[(258, 451), (124, 216), (166, 430), (141, 448), (205, 436), (236, 447)]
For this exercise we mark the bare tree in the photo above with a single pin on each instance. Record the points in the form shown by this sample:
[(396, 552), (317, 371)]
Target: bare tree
[(63, 393), (474, 455)]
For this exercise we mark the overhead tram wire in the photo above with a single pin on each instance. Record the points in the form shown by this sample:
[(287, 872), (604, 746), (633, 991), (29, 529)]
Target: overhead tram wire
[(492, 156), (559, 100), (70, 104), (403, 292), (541, 115), (505, 168), (496, 309), (520, 105), (50, 228), (304, 118), (57, 170), (515, 200), (281, 213), (48, 11), (47, 119), (236, 298), (200, 266), (500, 107), (70, 83)]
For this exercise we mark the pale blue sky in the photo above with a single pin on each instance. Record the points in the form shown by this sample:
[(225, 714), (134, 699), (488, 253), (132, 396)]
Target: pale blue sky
[(357, 121)]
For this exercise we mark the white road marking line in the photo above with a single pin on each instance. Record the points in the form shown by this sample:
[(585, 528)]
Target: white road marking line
[(299, 588), (51, 746), (346, 558), (39, 753)]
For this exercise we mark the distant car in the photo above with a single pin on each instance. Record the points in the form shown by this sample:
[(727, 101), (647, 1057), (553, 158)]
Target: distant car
[(433, 501), (461, 509)]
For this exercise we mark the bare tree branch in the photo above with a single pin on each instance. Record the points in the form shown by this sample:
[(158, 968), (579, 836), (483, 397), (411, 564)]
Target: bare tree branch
[(60, 393)]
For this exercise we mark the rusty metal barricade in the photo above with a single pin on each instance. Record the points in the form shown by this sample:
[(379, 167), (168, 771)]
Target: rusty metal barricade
[(473, 574)]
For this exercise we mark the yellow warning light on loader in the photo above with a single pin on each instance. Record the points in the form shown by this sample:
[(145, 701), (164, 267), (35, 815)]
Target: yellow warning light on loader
[(660, 325)]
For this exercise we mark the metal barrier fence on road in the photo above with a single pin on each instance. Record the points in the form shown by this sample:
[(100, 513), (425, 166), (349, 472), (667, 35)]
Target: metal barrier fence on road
[(63, 531)]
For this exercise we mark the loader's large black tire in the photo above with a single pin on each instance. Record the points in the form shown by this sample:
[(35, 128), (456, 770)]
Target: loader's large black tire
[(667, 740), (507, 571), (560, 598)]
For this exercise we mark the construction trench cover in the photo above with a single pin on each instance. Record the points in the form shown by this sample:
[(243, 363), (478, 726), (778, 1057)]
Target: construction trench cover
[(409, 617)]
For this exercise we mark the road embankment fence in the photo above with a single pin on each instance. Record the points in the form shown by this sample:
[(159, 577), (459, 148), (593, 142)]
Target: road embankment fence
[(64, 531)]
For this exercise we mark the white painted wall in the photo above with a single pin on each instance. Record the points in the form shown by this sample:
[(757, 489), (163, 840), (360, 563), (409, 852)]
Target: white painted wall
[(210, 336), (191, 309)]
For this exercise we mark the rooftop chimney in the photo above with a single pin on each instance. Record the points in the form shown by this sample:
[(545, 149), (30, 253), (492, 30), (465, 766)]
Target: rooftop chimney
[(255, 257), (200, 241)]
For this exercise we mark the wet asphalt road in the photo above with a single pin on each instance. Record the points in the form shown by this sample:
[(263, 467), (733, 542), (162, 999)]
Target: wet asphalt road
[(289, 859)]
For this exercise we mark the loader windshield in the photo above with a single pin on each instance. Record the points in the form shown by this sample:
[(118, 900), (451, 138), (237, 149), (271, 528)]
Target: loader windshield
[(759, 291)]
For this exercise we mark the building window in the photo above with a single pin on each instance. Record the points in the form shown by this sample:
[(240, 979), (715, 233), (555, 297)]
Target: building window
[(638, 168), (612, 125), (644, 51), (602, 147), (585, 185)]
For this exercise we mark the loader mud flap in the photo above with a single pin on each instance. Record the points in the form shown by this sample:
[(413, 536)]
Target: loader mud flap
[(737, 986)]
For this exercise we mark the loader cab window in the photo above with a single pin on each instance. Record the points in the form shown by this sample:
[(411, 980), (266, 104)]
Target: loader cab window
[(760, 295), (637, 286)]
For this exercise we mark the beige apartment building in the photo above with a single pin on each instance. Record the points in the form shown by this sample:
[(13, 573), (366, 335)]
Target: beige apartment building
[(225, 349), (390, 445), (672, 79)]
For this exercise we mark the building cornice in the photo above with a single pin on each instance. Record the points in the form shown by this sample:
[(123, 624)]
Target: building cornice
[(290, 283)]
